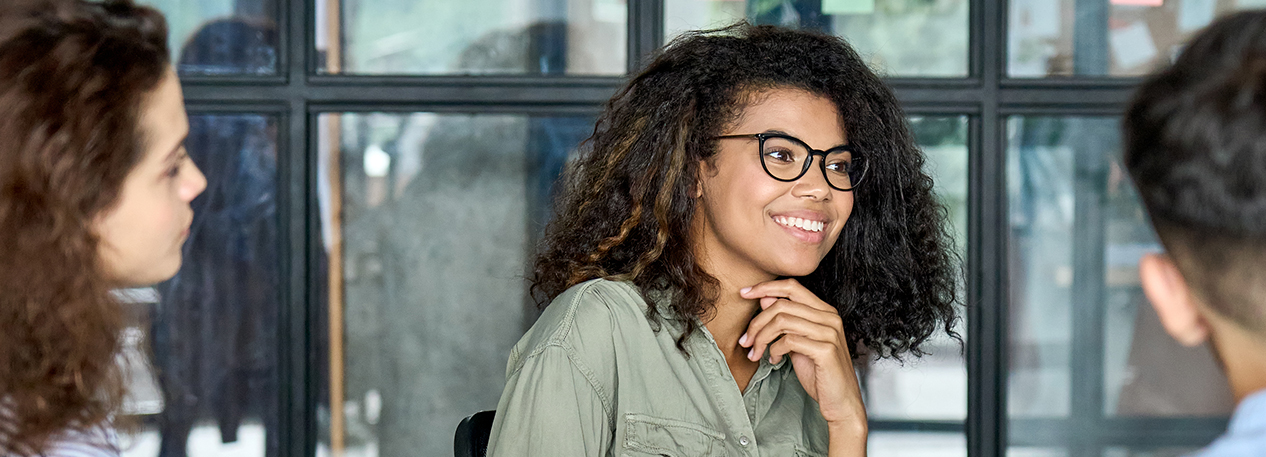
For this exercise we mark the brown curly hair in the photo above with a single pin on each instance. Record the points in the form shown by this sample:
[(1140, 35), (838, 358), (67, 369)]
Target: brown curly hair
[(626, 209), (73, 76)]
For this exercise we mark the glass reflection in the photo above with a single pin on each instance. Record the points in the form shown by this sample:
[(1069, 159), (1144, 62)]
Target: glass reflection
[(910, 38), (213, 327), (1118, 38), (221, 37), (439, 214), (933, 387), (548, 37), (1085, 345)]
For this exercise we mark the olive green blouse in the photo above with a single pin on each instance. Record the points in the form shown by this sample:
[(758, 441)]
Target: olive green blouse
[(593, 378)]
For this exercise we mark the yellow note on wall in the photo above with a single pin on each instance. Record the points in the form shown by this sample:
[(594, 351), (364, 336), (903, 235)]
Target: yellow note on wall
[(848, 6)]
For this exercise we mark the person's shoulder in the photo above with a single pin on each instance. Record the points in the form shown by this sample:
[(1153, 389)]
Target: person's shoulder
[(102, 441), (594, 306), (582, 321), (1246, 433)]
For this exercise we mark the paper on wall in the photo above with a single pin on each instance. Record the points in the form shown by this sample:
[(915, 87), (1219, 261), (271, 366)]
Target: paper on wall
[(1132, 45), (1195, 14), (1036, 18), (848, 6)]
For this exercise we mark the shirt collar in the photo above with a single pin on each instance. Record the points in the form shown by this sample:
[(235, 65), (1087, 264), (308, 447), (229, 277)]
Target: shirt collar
[(1250, 414)]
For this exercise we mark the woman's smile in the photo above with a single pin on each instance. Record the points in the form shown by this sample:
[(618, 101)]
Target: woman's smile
[(804, 225)]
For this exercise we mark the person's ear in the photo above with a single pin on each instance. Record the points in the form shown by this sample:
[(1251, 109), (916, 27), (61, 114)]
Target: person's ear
[(1172, 299), (705, 169)]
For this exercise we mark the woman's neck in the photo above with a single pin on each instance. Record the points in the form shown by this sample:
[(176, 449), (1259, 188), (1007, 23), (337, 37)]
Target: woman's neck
[(730, 318), (731, 312)]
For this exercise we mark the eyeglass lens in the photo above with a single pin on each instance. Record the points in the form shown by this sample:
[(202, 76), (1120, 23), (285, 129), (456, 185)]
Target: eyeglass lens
[(784, 159)]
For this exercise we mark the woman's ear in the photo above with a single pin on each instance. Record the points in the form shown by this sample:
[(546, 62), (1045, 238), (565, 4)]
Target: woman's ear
[(705, 169), (1171, 297)]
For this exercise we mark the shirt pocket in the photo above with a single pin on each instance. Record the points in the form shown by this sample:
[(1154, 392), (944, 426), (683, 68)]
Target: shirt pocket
[(654, 436)]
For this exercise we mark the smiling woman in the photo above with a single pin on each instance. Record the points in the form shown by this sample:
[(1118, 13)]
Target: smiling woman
[(696, 250)]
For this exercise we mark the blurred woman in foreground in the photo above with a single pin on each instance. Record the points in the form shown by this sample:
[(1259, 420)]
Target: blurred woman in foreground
[(95, 188)]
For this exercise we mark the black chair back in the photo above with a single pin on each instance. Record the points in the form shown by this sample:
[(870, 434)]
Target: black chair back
[(471, 439)]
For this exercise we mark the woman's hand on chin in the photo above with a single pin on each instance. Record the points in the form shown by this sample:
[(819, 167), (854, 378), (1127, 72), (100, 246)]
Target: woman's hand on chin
[(795, 323)]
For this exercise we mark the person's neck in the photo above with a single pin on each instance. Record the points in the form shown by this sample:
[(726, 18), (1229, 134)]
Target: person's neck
[(732, 313), (1242, 353)]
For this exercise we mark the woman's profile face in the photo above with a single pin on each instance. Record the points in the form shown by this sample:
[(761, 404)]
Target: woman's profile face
[(142, 234), (748, 220)]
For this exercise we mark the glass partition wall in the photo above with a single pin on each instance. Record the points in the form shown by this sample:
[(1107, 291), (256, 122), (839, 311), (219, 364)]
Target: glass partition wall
[(382, 170)]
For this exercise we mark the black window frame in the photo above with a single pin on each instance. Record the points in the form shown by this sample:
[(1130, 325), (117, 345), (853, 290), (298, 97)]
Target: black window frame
[(299, 93)]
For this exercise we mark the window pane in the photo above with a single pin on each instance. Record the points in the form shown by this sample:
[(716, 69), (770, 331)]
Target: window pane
[(909, 38), (221, 37), (1085, 344), (210, 387), (1070, 37), (909, 444), (438, 215), (933, 387), (548, 37)]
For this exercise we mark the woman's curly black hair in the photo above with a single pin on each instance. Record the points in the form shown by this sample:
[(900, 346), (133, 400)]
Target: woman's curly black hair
[(626, 209)]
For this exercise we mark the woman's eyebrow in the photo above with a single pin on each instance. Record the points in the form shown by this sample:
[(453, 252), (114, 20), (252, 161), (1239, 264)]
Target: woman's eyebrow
[(175, 153), (780, 132)]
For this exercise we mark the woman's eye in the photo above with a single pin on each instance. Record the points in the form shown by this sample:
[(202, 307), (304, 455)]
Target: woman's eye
[(780, 155), (838, 166), (174, 171)]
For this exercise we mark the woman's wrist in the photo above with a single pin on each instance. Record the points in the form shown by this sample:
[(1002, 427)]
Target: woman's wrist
[(852, 427), (848, 438)]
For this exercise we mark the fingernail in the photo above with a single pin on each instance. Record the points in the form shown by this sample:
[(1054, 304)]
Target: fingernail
[(743, 340), (745, 290), (751, 354)]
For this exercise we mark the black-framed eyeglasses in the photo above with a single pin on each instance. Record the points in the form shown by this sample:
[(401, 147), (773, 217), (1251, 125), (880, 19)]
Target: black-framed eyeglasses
[(786, 158)]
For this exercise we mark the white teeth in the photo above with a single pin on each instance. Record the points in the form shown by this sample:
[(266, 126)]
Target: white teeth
[(803, 224)]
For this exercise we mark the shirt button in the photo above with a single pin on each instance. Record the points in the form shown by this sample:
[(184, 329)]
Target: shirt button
[(743, 440)]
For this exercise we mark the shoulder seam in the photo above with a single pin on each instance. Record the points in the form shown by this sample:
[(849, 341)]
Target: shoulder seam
[(580, 366)]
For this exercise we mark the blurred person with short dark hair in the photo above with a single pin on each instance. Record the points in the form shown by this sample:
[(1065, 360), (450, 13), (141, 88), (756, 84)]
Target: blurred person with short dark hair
[(95, 188), (1195, 144)]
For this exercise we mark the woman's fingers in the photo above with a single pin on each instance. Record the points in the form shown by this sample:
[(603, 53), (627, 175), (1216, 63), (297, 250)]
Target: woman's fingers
[(786, 288), (822, 353), (786, 318)]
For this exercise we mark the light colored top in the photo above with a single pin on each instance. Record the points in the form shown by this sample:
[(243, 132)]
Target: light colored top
[(1246, 434), (592, 377), (100, 442)]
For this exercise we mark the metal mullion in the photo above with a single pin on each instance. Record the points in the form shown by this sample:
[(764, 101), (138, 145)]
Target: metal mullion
[(947, 92), (421, 92), (441, 80), (932, 426), (325, 89), (1132, 432), (1061, 111), (201, 107), (986, 247), (445, 108), (1089, 226), (1066, 96), (940, 109), (645, 31), (297, 368)]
